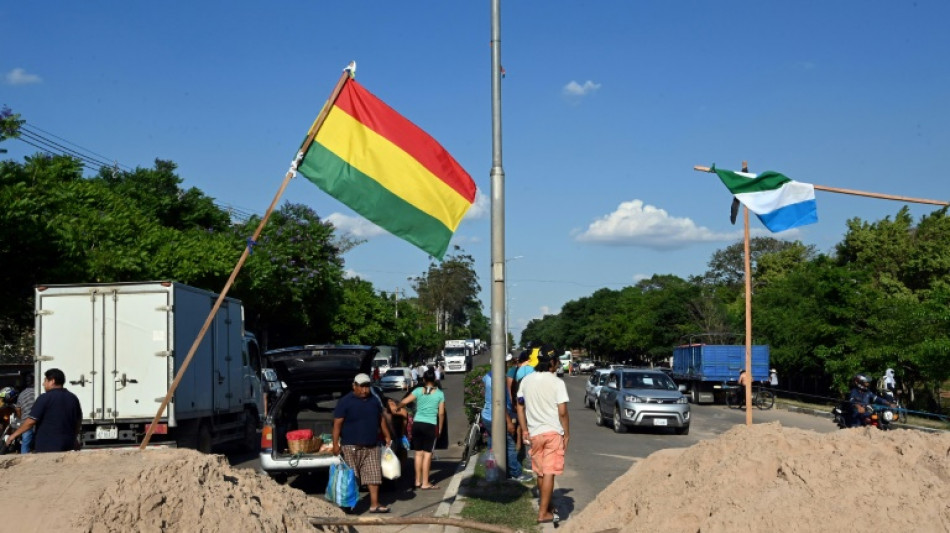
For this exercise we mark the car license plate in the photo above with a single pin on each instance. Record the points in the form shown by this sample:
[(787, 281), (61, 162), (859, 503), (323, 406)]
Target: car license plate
[(107, 432), (659, 421)]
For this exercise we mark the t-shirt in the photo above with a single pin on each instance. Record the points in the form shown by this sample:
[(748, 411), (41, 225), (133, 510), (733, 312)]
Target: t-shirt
[(487, 408), (427, 405), (542, 392), (25, 402), (361, 419), (58, 414)]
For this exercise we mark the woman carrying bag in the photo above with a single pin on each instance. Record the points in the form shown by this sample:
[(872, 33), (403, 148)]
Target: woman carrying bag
[(427, 424)]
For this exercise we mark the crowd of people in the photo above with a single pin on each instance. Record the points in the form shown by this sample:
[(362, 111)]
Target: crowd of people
[(50, 423)]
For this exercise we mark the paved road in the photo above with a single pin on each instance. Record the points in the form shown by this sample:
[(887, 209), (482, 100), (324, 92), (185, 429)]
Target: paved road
[(597, 455)]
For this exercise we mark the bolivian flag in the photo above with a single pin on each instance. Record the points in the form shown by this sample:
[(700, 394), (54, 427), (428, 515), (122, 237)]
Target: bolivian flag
[(387, 169)]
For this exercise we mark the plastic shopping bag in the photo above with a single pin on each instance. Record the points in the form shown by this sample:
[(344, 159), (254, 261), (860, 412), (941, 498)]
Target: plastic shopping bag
[(342, 488), (492, 473), (392, 469)]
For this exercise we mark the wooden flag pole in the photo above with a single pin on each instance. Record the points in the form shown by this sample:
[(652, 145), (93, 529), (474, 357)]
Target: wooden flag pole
[(859, 193), (746, 247), (247, 251)]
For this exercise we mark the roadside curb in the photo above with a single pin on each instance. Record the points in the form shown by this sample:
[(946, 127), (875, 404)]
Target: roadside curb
[(827, 414), (453, 502)]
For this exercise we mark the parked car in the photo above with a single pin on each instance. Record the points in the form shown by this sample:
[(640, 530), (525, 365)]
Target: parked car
[(398, 378), (592, 388), (315, 377), (641, 397)]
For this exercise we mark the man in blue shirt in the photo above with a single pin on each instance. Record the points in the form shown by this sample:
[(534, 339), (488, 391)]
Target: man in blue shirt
[(512, 463), (56, 415), (357, 422)]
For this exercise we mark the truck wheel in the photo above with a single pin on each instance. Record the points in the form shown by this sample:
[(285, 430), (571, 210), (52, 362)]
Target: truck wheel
[(598, 416), (619, 426), (205, 441), (694, 395), (683, 430), (250, 442)]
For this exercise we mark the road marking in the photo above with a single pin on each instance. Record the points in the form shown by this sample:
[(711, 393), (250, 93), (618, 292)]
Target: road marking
[(626, 457)]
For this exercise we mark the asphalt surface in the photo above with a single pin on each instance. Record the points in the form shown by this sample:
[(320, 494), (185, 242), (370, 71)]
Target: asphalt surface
[(596, 455)]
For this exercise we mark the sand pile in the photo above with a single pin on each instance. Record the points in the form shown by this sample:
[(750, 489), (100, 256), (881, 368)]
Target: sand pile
[(157, 490), (769, 478)]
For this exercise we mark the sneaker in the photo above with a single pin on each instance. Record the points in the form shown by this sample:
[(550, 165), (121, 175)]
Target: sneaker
[(524, 478)]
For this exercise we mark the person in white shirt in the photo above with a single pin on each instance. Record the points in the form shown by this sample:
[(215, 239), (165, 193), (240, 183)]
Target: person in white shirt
[(542, 413)]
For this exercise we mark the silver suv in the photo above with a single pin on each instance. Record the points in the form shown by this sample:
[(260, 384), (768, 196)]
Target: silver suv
[(641, 397)]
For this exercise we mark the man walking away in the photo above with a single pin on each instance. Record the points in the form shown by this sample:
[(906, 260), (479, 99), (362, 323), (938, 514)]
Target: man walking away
[(24, 406), (542, 412), (56, 415), (357, 421)]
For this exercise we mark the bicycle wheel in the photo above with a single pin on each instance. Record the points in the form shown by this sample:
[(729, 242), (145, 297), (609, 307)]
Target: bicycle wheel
[(732, 399), (471, 442), (764, 399)]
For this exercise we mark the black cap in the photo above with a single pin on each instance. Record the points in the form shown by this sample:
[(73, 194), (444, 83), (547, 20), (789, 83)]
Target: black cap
[(524, 356)]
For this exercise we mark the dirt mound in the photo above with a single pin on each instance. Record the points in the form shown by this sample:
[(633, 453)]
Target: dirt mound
[(156, 490), (769, 478)]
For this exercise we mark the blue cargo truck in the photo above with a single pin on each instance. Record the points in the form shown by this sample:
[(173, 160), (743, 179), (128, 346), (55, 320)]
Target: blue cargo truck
[(705, 368)]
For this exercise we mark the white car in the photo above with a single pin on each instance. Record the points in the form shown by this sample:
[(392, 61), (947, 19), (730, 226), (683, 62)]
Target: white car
[(592, 388), (586, 365), (397, 378)]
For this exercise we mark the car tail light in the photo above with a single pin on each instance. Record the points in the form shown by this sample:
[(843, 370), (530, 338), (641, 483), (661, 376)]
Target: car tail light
[(267, 438)]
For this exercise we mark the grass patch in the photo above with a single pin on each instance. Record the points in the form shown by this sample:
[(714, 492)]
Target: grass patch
[(503, 503)]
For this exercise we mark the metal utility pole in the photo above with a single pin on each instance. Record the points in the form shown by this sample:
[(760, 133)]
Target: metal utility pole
[(498, 311)]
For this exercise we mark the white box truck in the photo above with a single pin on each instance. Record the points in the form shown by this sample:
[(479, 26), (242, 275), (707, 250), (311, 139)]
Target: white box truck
[(457, 356), (121, 345)]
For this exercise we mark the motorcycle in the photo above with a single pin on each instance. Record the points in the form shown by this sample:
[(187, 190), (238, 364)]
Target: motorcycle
[(876, 415), (14, 445)]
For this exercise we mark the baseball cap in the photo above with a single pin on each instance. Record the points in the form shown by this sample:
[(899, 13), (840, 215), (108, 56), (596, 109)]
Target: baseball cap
[(508, 357), (362, 379)]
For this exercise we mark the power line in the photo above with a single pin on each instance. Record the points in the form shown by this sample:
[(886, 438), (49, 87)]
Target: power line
[(100, 156), (53, 146)]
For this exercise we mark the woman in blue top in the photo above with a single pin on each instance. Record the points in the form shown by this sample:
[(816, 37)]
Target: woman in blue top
[(426, 426)]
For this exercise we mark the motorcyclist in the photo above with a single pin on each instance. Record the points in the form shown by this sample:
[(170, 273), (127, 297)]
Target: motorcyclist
[(860, 398)]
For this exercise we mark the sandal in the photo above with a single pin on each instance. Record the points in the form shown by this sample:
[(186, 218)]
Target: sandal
[(430, 487), (382, 509)]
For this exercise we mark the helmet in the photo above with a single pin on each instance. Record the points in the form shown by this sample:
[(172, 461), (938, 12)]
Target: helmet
[(8, 395), (861, 381)]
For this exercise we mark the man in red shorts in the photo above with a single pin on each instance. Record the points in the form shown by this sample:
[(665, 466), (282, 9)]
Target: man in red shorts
[(542, 413)]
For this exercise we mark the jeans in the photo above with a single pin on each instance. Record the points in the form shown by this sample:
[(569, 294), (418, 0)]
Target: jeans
[(26, 441), (511, 453)]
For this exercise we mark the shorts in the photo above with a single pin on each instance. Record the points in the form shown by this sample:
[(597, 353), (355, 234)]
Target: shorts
[(423, 436), (364, 460), (547, 453)]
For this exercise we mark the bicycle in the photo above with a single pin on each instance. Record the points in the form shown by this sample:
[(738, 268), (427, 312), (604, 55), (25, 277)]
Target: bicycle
[(473, 437), (761, 398)]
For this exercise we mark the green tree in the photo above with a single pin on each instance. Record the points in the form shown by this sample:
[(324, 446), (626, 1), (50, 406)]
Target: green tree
[(292, 283), (449, 293)]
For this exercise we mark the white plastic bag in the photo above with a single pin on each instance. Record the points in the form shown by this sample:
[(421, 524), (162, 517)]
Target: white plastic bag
[(492, 473), (390, 464)]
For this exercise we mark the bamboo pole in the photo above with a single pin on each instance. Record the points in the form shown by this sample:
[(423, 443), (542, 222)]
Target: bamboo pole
[(746, 247), (407, 520), (853, 192), (247, 251)]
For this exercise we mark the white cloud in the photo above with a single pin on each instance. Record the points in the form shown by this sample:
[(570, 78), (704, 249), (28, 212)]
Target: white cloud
[(637, 224), (576, 89), (19, 76), (351, 274), (480, 209), (357, 227), (637, 278)]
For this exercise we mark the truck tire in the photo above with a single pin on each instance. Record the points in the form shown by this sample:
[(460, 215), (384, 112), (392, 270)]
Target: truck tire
[(186, 434), (204, 441), (250, 442), (683, 430), (694, 395)]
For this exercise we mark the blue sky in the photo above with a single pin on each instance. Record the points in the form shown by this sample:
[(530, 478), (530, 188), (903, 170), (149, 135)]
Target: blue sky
[(606, 107)]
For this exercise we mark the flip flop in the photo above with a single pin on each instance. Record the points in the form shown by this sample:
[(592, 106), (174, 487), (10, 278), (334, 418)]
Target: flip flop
[(379, 510), (430, 487)]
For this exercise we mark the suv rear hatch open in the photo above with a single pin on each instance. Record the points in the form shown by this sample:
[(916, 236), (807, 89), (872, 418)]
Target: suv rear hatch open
[(316, 376)]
